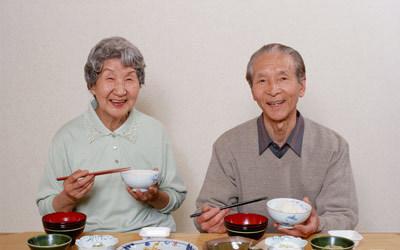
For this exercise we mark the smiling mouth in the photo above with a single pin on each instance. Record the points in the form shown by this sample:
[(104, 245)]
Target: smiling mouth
[(275, 103), (118, 103)]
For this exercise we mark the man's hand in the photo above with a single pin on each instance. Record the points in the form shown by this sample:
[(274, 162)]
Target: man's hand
[(307, 228), (212, 219)]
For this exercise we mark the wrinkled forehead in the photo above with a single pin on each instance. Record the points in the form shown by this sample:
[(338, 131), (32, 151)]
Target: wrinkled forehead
[(116, 66), (272, 63)]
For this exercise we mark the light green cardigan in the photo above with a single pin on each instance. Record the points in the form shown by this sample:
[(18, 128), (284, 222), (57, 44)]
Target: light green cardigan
[(85, 143)]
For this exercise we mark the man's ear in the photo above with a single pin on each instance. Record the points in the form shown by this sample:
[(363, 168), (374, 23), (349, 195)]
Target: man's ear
[(302, 88)]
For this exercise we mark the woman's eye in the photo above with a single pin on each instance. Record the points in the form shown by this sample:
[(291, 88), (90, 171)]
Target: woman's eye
[(109, 78)]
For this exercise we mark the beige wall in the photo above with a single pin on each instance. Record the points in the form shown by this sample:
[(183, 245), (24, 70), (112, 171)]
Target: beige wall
[(196, 52)]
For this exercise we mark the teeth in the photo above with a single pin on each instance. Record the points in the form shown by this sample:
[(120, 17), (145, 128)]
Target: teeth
[(116, 101), (275, 102)]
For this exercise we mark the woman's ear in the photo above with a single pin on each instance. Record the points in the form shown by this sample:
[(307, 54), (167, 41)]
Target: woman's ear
[(93, 90)]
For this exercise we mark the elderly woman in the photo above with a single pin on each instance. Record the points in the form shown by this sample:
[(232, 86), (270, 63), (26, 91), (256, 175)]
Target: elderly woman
[(112, 134)]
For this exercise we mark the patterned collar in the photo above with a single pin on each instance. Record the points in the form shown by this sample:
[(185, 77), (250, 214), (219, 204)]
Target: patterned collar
[(294, 141), (96, 129)]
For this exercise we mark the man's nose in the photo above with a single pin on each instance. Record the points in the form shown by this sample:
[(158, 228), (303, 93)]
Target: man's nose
[(273, 88)]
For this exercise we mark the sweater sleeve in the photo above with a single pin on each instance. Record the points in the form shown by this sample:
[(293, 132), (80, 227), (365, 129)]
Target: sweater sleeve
[(337, 202), (49, 187), (220, 186), (171, 183)]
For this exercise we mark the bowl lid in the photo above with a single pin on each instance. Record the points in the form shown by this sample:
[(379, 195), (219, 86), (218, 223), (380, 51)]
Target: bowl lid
[(154, 232), (349, 234)]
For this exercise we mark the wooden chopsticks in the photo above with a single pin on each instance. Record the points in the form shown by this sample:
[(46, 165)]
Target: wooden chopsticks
[(233, 205), (109, 171)]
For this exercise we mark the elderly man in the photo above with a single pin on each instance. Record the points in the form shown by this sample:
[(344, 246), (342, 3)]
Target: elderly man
[(279, 154)]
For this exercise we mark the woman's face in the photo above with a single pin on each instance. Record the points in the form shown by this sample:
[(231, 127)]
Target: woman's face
[(116, 91)]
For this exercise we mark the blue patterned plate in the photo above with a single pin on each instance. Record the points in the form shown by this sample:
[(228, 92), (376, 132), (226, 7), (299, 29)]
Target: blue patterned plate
[(158, 244)]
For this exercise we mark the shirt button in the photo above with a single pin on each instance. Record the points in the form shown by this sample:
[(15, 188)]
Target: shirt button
[(116, 161), (115, 147), (113, 136)]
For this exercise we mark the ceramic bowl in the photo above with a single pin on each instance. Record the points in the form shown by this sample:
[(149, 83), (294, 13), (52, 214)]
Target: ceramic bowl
[(97, 242), (285, 242), (49, 242), (140, 179), (288, 212), (331, 243), (246, 225)]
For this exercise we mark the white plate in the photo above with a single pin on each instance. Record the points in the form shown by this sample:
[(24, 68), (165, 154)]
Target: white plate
[(158, 244)]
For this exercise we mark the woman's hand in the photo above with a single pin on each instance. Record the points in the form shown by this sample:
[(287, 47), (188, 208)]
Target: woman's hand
[(153, 196), (212, 219), (76, 186), (307, 228)]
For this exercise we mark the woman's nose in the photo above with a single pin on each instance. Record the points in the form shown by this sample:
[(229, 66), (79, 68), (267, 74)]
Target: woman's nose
[(119, 88)]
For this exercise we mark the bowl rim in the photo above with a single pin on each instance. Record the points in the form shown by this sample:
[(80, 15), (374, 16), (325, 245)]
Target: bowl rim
[(245, 232), (65, 230), (47, 235), (47, 218), (331, 236), (265, 218), (291, 199), (141, 171)]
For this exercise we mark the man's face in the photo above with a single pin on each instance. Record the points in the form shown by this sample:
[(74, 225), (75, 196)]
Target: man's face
[(276, 88)]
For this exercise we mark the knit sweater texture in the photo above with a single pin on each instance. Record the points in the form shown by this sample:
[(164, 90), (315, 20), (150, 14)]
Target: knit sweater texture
[(237, 172)]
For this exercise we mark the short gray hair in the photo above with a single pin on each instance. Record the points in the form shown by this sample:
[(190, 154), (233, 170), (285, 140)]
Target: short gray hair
[(113, 47), (300, 68)]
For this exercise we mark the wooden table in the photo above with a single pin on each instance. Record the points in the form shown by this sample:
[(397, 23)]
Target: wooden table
[(371, 241)]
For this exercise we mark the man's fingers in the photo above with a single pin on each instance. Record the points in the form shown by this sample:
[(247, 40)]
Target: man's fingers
[(212, 219)]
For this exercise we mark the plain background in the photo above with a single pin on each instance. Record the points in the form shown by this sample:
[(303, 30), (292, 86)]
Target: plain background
[(196, 53)]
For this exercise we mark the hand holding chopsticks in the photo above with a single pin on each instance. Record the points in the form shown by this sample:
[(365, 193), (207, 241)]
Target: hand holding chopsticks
[(109, 171), (234, 205)]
